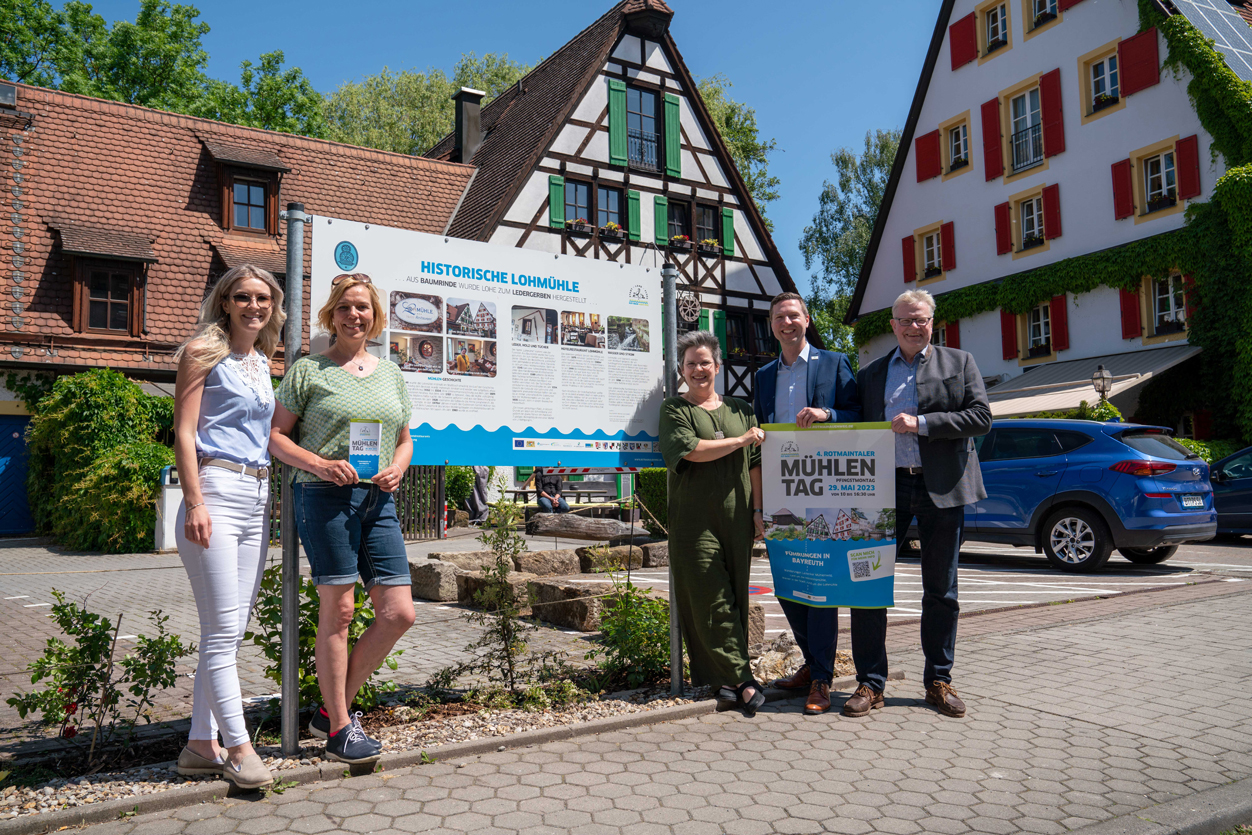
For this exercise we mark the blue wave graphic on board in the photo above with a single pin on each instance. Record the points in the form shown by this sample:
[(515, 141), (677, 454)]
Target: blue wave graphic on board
[(530, 447)]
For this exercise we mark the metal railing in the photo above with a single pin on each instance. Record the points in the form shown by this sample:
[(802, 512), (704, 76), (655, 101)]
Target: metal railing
[(419, 503), (642, 148), (1028, 147)]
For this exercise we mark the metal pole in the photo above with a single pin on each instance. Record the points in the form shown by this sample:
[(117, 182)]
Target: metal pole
[(669, 306), (296, 219)]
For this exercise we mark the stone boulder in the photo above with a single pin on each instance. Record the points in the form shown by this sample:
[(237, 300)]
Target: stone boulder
[(433, 580), (461, 520), (547, 563), (467, 560), (656, 555), (596, 559), (469, 583), (571, 605)]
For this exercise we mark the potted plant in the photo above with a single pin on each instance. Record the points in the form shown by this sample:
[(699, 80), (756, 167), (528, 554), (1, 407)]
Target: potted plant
[(1040, 350), (578, 226), (1044, 17), (959, 162), (680, 242), (1102, 101), (611, 231), (1032, 241), (1161, 201), (992, 46), (931, 272), (709, 246)]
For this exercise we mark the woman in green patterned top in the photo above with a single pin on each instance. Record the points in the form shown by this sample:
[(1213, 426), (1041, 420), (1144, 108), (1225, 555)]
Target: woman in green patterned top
[(711, 445), (347, 520)]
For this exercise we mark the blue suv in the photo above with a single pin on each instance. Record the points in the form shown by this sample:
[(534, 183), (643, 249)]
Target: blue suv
[(1077, 489)]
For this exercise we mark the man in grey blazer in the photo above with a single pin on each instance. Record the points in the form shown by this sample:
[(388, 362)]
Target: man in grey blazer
[(936, 402)]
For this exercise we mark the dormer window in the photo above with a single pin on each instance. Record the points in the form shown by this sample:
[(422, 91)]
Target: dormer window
[(249, 201), (249, 204)]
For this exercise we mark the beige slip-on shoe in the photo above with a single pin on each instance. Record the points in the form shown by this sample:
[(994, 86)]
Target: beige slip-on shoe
[(251, 773), (191, 764)]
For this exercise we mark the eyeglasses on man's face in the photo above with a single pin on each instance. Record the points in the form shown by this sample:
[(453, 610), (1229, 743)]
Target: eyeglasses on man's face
[(920, 321), (244, 299)]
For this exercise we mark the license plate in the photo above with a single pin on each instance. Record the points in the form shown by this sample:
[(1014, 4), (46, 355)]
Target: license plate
[(1190, 500)]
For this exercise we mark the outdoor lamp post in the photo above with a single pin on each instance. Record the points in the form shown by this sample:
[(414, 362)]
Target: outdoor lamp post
[(669, 316), (1102, 382)]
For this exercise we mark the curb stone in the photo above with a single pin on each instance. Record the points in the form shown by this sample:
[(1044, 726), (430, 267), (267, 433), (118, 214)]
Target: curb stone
[(209, 791), (1210, 812)]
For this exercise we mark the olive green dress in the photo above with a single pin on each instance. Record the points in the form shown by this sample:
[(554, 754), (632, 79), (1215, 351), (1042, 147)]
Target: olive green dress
[(710, 536)]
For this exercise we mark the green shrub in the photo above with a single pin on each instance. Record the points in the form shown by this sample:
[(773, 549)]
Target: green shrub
[(117, 500), (458, 485), (652, 490), (1211, 451), (634, 636)]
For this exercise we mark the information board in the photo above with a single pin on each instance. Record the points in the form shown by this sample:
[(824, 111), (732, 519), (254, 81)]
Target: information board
[(830, 526), (510, 356)]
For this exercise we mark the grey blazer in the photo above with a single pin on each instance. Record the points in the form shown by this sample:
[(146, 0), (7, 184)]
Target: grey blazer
[(951, 395)]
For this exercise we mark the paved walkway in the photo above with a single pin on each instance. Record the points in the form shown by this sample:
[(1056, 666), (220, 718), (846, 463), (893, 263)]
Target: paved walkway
[(1078, 714)]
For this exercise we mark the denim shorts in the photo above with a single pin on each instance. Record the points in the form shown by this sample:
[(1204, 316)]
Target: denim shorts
[(351, 530)]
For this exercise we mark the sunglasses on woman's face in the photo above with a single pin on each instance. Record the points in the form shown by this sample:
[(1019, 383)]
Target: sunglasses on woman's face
[(360, 278), (243, 300)]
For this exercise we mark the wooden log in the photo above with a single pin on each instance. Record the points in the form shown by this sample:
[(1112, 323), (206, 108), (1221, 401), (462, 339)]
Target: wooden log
[(569, 526)]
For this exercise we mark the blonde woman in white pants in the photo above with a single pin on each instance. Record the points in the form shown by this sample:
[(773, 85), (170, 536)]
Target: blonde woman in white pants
[(223, 405)]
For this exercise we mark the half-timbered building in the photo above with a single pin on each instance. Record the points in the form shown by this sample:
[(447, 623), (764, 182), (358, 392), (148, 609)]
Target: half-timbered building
[(606, 150)]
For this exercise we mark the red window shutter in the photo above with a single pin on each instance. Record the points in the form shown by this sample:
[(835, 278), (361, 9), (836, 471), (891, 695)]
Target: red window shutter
[(1067, 4), (1053, 118), (1004, 229), (1188, 294), (963, 40), (927, 154), (1008, 334), (1052, 211), (1060, 323), (910, 258), (947, 246), (1187, 157), (1131, 328), (1138, 60), (993, 160), (953, 331), (1123, 189)]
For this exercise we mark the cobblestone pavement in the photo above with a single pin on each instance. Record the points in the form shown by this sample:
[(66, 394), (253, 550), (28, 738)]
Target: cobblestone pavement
[(1069, 724)]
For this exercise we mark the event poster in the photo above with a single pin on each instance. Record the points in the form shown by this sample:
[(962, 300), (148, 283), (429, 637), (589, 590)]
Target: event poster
[(509, 356), (830, 519)]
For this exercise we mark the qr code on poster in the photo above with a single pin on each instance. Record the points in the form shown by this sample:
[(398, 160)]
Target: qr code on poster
[(860, 569)]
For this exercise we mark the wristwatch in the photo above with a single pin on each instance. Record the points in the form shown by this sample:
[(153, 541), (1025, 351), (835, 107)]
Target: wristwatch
[(830, 415), (757, 510)]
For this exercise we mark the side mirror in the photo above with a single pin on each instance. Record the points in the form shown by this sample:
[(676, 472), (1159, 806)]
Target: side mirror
[(1217, 476)]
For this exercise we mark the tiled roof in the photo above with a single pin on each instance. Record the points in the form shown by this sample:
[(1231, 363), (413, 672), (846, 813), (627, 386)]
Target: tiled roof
[(81, 239), (244, 156), (1244, 8), (535, 108), (114, 166)]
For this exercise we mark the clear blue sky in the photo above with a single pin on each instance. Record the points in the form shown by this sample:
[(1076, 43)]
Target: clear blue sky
[(820, 74)]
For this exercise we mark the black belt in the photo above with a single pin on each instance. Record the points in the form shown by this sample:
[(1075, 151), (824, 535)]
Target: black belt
[(909, 470)]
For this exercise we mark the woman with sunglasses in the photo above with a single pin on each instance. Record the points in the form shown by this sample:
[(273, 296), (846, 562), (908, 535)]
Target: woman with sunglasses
[(346, 397), (223, 403)]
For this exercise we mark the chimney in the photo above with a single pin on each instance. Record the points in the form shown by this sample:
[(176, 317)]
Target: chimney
[(469, 132)]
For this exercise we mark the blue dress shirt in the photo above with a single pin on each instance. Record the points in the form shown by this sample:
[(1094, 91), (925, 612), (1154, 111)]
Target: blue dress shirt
[(900, 398), (791, 391)]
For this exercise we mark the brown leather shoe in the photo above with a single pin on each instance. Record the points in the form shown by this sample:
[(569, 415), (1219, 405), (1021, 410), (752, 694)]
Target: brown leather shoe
[(819, 698), (863, 701), (942, 696), (801, 679)]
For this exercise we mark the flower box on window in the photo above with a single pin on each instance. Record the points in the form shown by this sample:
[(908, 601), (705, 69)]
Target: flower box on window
[(992, 46), (959, 162), (1161, 201), (931, 272), (578, 226), (708, 246), (1102, 101), (681, 243), (1044, 17), (611, 232), (1031, 241), (1040, 350), (1167, 326)]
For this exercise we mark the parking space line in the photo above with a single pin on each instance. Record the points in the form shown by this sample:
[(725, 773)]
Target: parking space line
[(18, 597), (35, 605)]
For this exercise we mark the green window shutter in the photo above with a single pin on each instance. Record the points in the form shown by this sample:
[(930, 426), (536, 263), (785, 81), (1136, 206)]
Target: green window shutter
[(660, 223), (719, 329), (673, 137), (632, 215), (728, 230), (556, 201), (523, 474), (703, 322), (617, 122)]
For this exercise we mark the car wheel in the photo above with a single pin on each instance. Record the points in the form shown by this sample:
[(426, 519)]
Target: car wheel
[(1076, 539), (1148, 556)]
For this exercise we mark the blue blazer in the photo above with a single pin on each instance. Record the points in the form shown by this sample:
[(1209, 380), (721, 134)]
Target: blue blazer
[(832, 385)]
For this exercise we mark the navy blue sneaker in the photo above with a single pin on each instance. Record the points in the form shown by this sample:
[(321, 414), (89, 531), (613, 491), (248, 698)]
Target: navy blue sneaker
[(350, 745), (319, 726)]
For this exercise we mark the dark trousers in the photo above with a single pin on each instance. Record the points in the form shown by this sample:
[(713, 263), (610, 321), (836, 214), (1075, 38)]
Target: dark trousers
[(940, 530), (545, 505), (816, 631)]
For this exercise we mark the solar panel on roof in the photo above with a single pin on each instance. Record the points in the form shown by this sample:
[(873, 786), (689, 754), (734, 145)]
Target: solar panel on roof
[(1229, 31)]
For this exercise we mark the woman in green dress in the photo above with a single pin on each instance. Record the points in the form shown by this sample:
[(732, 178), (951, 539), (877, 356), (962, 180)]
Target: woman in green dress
[(711, 445)]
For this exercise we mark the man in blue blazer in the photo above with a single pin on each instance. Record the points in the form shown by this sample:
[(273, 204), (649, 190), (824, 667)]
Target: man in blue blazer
[(806, 385)]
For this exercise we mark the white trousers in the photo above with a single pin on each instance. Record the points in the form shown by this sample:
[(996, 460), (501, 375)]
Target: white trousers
[(224, 579)]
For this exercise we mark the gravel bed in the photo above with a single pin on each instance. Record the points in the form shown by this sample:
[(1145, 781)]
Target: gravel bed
[(98, 788)]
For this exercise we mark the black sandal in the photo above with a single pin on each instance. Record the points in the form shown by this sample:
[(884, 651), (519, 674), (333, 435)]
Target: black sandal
[(727, 698), (750, 706)]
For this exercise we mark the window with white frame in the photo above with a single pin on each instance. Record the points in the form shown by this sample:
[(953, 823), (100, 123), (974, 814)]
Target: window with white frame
[(997, 21), (932, 257), (1031, 217), (1158, 181), (1170, 304), (1027, 127), (1104, 87), (1044, 11), (939, 336), (958, 146), (1039, 330)]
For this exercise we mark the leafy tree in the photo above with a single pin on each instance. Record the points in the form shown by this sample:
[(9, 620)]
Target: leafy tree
[(407, 112), (736, 122), (838, 238), (30, 40), (268, 97)]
